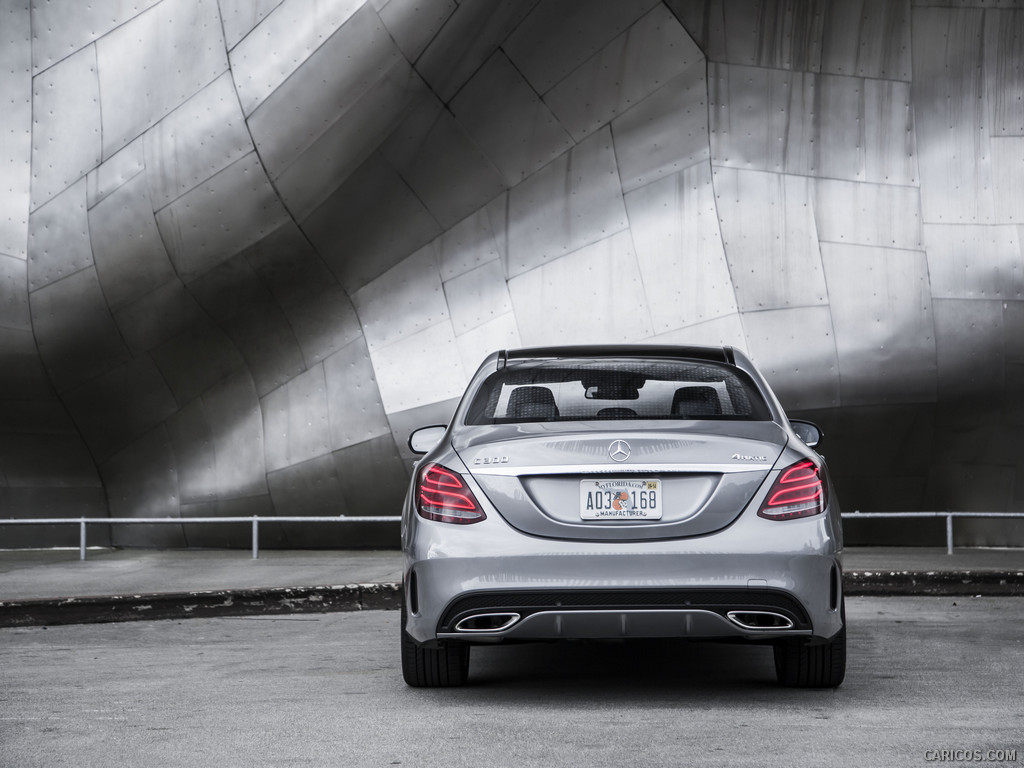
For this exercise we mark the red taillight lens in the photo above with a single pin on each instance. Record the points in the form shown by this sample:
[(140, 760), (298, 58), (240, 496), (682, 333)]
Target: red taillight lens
[(443, 495), (798, 492)]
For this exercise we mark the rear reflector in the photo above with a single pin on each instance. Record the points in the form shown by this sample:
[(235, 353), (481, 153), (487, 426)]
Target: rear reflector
[(443, 495), (798, 492)]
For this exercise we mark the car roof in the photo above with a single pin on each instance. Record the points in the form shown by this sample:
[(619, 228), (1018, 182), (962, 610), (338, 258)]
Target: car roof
[(714, 354)]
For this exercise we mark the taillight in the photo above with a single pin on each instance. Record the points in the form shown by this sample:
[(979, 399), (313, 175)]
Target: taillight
[(443, 495), (798, 492)]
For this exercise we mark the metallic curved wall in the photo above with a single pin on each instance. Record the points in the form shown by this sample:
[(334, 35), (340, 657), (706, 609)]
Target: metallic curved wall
[(247, 245)]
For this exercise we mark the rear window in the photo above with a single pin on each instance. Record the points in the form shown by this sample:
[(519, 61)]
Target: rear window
[(616, 389)]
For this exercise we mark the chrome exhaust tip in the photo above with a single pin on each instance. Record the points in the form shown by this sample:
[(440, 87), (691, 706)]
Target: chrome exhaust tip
[(760, 620), (487, 622)]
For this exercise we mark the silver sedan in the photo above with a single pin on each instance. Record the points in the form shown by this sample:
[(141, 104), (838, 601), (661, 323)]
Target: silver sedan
[(621, 492)]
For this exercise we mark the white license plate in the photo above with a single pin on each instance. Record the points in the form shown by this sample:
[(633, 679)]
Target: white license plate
[(620, 499)]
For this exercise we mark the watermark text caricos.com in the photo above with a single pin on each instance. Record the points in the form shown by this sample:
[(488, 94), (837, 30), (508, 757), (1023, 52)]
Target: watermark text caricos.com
[(971, 755)]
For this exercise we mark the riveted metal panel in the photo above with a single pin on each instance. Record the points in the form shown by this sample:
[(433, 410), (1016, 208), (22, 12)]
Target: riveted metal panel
[(229, 288), (414, 23), (556, 38), (664, 133), (241, 16), (770, 238), (750, 114), (508, 121), (155, 62), (324, 323), (192, 443), (36, 460), (679, 249), (353, 399), (267, 342), (197, 359), (868, 214), (477, 297), (970, 344), (1008, 178), (346, 142), (972, 261), (24, 378), (217, 219), (295, 425), (466, 41), (115, 172), (58, 243), (76, 335), (45, 415), (233, 412), (890, 135), (15, 127), (268, 56), (867, 38), (61, 27), (569, 203), (130, 257), (1004, 75), (474, 345), (727, 330), (580, 295), (309, 488), (225, 535), (379, 459), (475, 240), (796, 351), (14, 293), (631, 67), (197, 140), (432, 349), (65, 125), (142, 481), (403, 301), (354, 228), (158, 316), (442, 165), (50, 502), (118, 407), (884, 326)]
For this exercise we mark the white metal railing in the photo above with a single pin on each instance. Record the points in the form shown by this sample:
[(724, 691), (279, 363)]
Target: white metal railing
[(255, 520)]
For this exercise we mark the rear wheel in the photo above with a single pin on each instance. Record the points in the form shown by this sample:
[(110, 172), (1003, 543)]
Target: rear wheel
[(442, 667), (801, 665)]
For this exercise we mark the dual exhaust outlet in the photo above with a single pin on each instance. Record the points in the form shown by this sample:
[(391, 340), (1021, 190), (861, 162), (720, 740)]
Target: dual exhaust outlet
[(750, 620)]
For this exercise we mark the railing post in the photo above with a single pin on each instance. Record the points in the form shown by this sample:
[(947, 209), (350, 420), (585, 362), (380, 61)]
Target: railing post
[(81, 539), (255, 538), (949, 533)]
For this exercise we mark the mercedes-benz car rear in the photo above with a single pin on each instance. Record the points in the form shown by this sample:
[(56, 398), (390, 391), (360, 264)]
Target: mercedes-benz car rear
[(621, 492)]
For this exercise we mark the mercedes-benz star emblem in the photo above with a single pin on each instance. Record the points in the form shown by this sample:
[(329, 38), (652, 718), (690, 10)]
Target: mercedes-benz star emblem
[(619, 450)]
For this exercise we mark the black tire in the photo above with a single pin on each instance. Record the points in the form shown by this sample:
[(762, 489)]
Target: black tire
[(801, 665), (443, 667)]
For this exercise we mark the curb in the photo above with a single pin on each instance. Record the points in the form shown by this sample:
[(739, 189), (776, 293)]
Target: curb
[(934, 583)]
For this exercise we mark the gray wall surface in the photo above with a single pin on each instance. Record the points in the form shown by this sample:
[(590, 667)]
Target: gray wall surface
[(246, 246)]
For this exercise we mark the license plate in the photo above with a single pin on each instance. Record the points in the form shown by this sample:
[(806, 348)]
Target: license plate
[(620, 499)]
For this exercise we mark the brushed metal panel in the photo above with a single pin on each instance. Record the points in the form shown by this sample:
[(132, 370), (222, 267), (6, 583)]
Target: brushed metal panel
[(197, 359), (751, 110), (867, 38), (349, 137), (115, 172), (664, 133), (309, 488), (115, 409), (130, 257), (267, 342), (43, 416), (232, 410), (24, 378), (884, 328), (76, 335), (50, 502), (432, 349), (442, 164), (192, 443), (592, 296), (403, 301), (229, 288), (214, 221), (379, 459), (466, 41), (354, 228), (868, 214), (153, 63), (61, 27), (974, 261), (41, 460), (197, 140), (477, 297), (58, 243), (1008, 178), (970, 344), (720, 331), (142, 481), (508, 121), (679, 249), (573, 201), (474, 345), (414, 23), (66, 138), (1004, 40), (223, 535), (240, 17), (475, 240), (770, 238), (629, 68), (14, 312), (16, 128), (353, 399), (158, 316), (796, 351), (323, 323), (295, 425), (891, 155), (557, 38), (290, 35)]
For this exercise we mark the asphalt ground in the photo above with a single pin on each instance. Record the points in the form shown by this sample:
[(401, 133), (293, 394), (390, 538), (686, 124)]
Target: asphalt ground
[(50, 587)]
